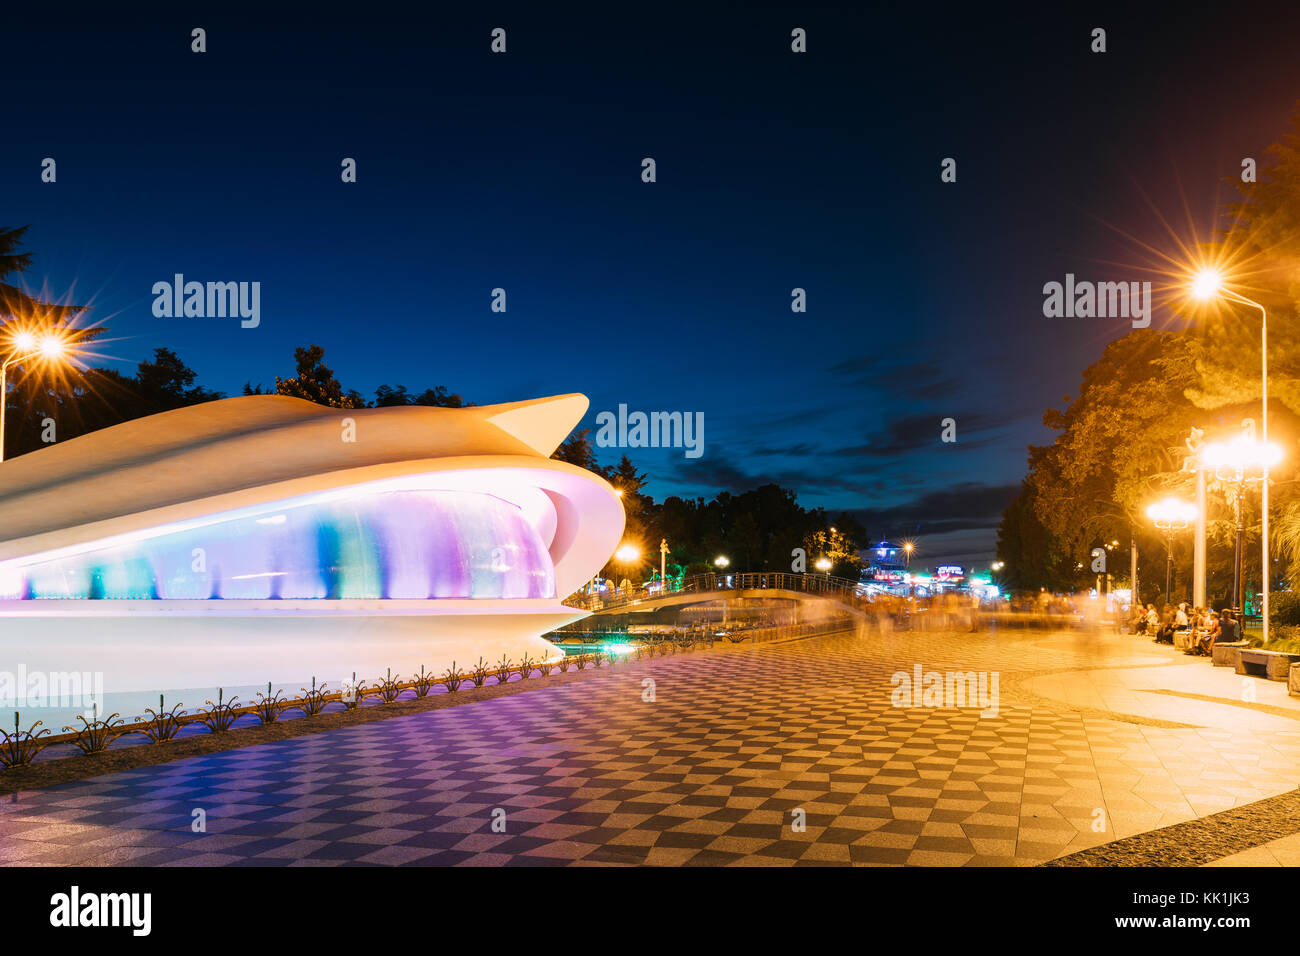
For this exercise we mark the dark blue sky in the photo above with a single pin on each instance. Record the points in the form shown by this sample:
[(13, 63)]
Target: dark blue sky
[(775, 170)]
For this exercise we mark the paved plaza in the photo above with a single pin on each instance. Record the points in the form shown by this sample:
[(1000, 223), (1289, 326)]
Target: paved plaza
[(1097, 738)]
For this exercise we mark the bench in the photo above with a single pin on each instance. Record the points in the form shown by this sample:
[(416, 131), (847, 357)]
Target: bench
[(1293, 685), (1182, 640), (1275, 665), (1224, 653)]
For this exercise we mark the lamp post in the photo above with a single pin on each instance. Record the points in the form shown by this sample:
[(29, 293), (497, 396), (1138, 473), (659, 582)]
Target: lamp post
[(25, 346), (1169, 516), (1207, 284), (1238, 463), (663, 563), (628, 554)]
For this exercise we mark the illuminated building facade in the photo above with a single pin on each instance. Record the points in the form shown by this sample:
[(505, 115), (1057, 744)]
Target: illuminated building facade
[(265, 538)]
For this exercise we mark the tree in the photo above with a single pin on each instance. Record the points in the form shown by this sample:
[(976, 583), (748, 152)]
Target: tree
[(316, 382), (577, 450), (17, 305), (167, 383)]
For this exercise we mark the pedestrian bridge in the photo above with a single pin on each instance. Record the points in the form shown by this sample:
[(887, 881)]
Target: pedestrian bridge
[(702, 588)]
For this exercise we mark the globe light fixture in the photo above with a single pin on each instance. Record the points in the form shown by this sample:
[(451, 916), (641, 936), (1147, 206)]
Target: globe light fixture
[(1207, 283)]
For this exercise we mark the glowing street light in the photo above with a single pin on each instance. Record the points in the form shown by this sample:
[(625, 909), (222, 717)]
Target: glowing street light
[(1207, 284), (1239, 462), (908, 548), (24, 345), (722, 561), (628, 554), (1171, 515), (997, 565)]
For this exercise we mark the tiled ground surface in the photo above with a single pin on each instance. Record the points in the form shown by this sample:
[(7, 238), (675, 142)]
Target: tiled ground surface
[(713, 769), (1283, 852)]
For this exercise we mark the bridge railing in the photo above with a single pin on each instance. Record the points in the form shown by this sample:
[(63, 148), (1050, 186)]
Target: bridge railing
[(840, 589)]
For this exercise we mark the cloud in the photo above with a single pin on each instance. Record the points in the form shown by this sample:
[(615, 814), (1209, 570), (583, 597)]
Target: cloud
[(968, 506)]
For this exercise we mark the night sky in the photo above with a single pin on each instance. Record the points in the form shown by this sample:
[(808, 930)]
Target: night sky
[(775, 171)]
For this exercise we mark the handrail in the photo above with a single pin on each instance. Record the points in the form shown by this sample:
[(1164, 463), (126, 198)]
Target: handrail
[(841, 589)]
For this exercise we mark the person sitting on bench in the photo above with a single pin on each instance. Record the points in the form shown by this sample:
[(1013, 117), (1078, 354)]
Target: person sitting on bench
[(1205, 643)]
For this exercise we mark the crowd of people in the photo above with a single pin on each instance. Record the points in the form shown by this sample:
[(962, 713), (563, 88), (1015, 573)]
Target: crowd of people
[(1204, 626)]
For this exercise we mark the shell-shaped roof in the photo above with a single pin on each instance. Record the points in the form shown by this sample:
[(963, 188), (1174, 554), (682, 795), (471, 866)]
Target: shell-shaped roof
[(215, 448)]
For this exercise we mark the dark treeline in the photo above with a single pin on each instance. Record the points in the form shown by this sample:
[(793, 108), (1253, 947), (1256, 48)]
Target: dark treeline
[(757, 530)]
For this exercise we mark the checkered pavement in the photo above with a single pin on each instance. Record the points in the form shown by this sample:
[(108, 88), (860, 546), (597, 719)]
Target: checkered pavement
[(738, 743)]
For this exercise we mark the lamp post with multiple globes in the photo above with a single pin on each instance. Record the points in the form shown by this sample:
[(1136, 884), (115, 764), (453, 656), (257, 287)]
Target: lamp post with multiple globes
[(1207, 284), (1169, 516)]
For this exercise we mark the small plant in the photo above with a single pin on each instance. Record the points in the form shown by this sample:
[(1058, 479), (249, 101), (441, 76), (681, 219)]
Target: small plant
[(21, 747), (269, 706), (453, 678), (95, 735), (219, 716), (526, 667), (544, 666), (313, 701), (502, 670), (389, 689), (583, 661), (163, 724), (480, 673), (423, 683), (565, 661)]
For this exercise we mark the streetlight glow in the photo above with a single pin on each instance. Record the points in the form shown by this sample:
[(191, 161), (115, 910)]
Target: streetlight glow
[(52, 347), (1207, 283), (1172, 514), (722, 561), (1241, 455), (628, 554)]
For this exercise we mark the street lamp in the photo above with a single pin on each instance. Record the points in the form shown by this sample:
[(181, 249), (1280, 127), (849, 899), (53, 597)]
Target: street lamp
[(721, 561), (824, 565), (26, 345), (1238, 463), (908, 548), (1169, 516), (1205, 285)]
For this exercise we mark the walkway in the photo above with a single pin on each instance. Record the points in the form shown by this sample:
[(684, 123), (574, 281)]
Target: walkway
[(738, 745)]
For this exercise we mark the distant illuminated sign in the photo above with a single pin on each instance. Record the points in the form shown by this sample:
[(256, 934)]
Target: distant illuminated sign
[(951, 572)]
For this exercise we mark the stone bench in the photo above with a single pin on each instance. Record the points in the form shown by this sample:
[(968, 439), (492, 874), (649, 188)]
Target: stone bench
[(1275, 665), (1182, 640), (1293, 685), (1224, 653)]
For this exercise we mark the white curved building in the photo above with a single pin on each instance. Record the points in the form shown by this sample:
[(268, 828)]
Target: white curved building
[(266, 538)]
